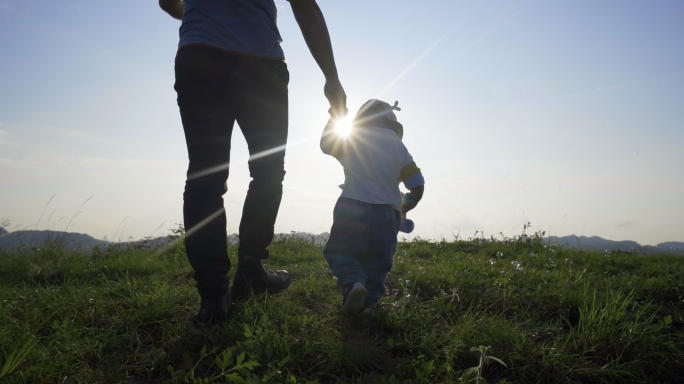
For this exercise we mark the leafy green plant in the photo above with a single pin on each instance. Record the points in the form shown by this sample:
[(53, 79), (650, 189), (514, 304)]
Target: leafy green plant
[(475, 373), (233, 369)]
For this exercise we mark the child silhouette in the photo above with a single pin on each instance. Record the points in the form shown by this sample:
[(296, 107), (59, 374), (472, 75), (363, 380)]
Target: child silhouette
[(368, 214)]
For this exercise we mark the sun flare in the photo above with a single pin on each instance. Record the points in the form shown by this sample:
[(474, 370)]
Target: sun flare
[(343, 127)]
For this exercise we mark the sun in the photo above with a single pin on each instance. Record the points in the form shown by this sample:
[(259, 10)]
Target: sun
[(343, 126)]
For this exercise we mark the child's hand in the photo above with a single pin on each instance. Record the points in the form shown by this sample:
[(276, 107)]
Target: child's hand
[(410, 200), (405, 208)]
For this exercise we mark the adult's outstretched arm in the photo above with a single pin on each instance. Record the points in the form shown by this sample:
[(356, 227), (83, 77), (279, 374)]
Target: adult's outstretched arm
[(315, 31), (174, 8)]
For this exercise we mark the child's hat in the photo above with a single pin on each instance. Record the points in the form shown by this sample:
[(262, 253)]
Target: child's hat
[(377, 113)]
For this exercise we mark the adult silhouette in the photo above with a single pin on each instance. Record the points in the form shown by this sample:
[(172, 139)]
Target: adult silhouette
[(230, 67)]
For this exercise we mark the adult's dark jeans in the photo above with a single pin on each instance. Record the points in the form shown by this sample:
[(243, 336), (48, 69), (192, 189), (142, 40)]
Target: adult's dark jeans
[(215, 89)]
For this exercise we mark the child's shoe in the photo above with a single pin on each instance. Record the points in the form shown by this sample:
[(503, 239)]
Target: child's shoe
[(353, 297)]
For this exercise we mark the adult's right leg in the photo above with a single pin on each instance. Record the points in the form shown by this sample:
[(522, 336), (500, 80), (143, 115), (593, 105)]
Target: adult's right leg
[(204, 83), (263, 119)]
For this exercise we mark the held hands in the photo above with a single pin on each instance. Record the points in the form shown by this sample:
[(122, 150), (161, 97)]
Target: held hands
[(337, 98)]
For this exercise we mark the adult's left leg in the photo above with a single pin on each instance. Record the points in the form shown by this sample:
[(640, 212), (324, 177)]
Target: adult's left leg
[(205, 87)]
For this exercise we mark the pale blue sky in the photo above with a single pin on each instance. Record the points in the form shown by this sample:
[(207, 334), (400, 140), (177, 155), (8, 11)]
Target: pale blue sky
[(568, 114)]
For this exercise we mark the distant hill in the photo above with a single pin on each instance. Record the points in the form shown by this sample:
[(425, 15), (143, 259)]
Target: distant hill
[(595, 243), (30, 238), (82, 241), (70, 240), (672, 244)]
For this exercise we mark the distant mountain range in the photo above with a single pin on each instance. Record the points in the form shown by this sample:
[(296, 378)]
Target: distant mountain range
[(74, 241), (82, 241), (598, 244)]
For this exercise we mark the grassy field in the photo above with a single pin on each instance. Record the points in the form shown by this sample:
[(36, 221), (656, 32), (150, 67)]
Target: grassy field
[(507, 311)]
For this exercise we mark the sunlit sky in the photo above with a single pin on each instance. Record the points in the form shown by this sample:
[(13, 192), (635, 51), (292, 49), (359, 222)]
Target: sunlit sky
[(566, 114)]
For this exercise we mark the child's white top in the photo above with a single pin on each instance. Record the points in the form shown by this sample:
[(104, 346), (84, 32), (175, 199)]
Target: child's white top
[(375, 161)]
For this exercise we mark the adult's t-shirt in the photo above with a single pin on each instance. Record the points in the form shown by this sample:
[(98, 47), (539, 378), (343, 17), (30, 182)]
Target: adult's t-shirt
[(241, 26)]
